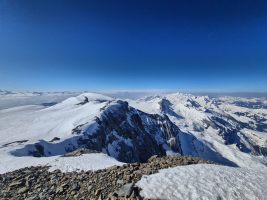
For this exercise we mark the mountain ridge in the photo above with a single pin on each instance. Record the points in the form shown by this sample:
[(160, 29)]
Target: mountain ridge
[(134, 130)]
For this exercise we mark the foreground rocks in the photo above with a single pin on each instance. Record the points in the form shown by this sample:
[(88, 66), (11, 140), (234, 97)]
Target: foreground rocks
[(117, 182)]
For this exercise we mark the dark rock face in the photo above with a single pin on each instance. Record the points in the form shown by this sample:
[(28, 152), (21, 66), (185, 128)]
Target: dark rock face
[(125, 133), (166, 108), (253, 105), (55, 139), (193, 104), (39, 150), (79, 152), (260, 121), (229, 130), (84, 101), (15, 142), (130, 135)]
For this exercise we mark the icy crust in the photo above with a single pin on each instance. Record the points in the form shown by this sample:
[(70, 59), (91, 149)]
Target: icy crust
[(204, 181)]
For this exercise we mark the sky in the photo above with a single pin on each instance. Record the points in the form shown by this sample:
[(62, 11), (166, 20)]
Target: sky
[(208, 45)]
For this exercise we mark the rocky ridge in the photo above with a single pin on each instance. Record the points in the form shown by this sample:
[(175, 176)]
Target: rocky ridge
[(125, 133), (117, 182)]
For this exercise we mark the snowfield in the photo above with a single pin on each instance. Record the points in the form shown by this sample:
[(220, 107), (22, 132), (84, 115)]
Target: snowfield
[(204, 181), (29, 124), (84, 162)]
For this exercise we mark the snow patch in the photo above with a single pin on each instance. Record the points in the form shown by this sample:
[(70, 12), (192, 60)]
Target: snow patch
[(204, 181)]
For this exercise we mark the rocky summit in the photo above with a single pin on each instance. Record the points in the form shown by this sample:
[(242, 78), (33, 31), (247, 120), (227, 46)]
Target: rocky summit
[(117, 182)]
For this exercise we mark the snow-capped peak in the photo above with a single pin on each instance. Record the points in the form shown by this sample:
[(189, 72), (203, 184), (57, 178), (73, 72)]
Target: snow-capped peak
[(85, 98)]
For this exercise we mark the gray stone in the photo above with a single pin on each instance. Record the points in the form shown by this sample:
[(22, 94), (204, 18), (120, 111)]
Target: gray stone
[(119, 181), (42, 195), (126, 190), (97, 192), (17, 183), (60, 190), (23, 190), (75, 186), (89, 188)]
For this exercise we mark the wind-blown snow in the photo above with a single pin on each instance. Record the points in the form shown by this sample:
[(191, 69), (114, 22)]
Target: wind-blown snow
[(204, 181)]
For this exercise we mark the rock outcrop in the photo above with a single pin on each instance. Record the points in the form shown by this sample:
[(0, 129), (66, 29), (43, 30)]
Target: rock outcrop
[(129, 135), (117, 182)]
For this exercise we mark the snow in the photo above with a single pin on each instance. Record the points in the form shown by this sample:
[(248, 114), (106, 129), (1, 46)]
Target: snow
[(113, 147), (233, 154), (12, 99), (260, 138), (188, 117), (23, 126), (35, 123), (93, 161), (82, 97), (205, 181)]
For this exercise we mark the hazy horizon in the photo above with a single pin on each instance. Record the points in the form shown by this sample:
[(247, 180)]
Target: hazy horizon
[(135, 94)]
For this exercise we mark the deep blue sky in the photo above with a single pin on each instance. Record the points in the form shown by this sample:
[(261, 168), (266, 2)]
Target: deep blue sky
[(214, 45)]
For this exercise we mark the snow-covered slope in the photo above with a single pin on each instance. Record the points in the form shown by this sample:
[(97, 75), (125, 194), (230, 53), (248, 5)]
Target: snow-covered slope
[(116, 129), (36, 122), (25, 125), (205, 182), (237, 132), (218, 129), (228, 130)]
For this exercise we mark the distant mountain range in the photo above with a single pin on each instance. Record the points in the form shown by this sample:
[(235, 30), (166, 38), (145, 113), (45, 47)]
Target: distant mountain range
[(226, 130)]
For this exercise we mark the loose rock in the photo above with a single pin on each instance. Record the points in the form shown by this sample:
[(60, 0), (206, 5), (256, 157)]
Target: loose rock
[(114, 183)]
